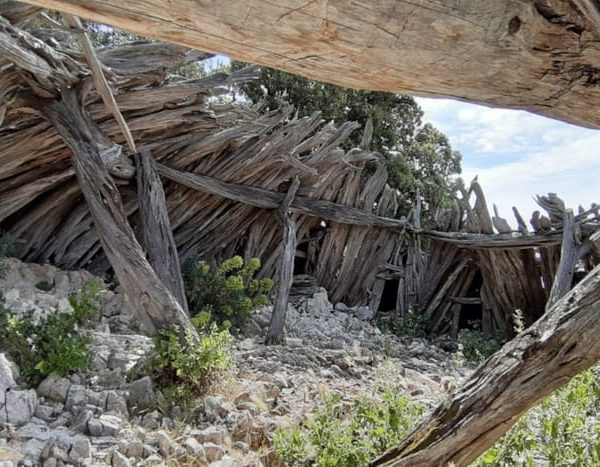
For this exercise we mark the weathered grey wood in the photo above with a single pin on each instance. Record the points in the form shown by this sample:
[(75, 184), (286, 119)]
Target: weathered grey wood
[(545, 357), (147, 295), (285, 268), (465, 300), (155, 228), (100, 81), (568, 260), (520, 221), (266, 199), (526, 54)]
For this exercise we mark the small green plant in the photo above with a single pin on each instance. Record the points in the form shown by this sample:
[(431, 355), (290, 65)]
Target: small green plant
[(184, 368), (348, 434), (476, 347), (561, 430), (227, 292), (54, 344), (411, 324)]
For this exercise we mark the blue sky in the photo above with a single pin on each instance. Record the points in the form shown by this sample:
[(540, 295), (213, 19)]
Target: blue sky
[(517, 154)]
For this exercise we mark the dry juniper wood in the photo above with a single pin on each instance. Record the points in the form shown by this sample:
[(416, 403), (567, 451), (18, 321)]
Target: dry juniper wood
[(285, 269), (70, 194)]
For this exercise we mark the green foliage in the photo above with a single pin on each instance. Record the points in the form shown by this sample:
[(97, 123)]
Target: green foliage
[(411, 324), (227, 292), (348, 435), (419, 157), (185, 369), (476, 347), (54, 344), (562, 430)]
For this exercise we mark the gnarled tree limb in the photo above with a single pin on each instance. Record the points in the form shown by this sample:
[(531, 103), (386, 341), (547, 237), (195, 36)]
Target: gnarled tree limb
[(543, 358), (149, 299), (285, 270)]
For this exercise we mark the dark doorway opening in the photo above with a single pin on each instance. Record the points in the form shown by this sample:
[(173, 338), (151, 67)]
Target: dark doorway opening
[(471, 315), (389, 295)]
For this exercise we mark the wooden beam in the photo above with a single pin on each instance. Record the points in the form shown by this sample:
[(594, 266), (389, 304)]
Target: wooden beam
[(100, 81), (537, 55), (155, 228), (540, 360), (149, 299), (568, 259), (266, 199), (285, 270)]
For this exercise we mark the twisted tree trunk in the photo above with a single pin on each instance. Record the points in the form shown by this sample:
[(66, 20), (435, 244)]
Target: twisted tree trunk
[(92, 152)]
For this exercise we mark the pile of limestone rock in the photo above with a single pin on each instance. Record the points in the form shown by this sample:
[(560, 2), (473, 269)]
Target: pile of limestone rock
[(102, 416)]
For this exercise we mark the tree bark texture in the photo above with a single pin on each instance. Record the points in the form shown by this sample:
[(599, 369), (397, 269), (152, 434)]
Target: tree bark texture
[(561, 344), (149, 299), (285, 269), (155, 228), (568, 260), (538, 55)]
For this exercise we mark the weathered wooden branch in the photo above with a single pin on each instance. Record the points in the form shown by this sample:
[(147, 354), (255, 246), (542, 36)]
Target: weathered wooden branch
[(46, 67), (568, 260), (266, 199), (155, 228), (285, 270), (100, 81), (545, 357), (149, 298), (536, 55)]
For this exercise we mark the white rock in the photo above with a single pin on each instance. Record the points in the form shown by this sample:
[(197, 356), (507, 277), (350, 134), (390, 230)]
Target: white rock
[(119, 460), (54, 388), (365, 313), (7, 379), (212, 434), (18, 406), (293, 342), (213, 451)]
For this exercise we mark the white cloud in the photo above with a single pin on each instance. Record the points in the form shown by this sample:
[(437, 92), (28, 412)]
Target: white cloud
[(517, 154)]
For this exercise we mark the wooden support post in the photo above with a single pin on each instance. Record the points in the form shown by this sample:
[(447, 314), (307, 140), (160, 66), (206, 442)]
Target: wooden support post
[(286, 267), (568, 259), (561, 344), (148, 296), (156, 234)]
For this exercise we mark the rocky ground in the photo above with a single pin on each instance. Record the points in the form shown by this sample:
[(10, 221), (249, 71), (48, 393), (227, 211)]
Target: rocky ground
[(102, 417)]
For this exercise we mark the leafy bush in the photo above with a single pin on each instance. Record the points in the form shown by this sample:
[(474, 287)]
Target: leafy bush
[(348, 435), (562, 430), (476, 346), (226, 292), (410, 325), (54, 344), (185, 369)]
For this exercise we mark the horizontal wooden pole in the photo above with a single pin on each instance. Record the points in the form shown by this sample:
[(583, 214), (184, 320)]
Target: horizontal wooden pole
[(327, 210)]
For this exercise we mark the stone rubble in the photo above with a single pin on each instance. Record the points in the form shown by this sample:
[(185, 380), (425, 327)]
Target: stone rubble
[(101, 417)]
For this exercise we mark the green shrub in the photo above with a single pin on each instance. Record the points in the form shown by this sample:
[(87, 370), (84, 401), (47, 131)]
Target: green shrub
[(226, 292), (348, 435), (54, 344), (411, 324), (184, 369), (561, 430), (476, 347)]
